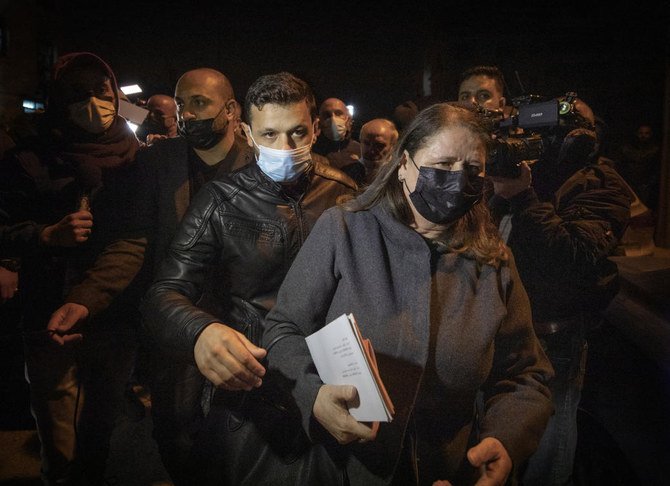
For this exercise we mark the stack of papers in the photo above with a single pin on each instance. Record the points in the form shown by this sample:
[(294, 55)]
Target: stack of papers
[(343, 357)]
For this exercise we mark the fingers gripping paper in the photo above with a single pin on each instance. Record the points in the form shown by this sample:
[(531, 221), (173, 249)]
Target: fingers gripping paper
[(343, 357)]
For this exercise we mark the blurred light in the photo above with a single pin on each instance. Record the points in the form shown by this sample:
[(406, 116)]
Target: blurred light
[(132, 126), (131, 89), (31, 106), (351, 109)]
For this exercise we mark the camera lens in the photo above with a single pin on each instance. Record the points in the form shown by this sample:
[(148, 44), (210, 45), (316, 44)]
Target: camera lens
[(564, 108)]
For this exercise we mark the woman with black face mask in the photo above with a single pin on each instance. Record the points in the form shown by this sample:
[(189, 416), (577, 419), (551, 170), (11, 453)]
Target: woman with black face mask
[(419, 264)]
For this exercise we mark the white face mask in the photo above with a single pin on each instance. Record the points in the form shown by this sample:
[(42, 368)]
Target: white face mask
[(335, 128), (283, 165), (93, 115)]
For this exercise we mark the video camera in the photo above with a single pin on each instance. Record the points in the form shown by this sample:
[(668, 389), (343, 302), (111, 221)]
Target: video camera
[(535, 124)]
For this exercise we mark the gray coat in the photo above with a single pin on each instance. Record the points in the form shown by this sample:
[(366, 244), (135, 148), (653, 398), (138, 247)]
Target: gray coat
[(371, 265)]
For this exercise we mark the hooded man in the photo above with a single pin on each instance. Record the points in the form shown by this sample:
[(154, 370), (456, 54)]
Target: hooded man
[(77, 387)]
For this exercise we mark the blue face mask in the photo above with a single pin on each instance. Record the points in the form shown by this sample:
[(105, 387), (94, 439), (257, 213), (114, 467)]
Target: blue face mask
[(283, 165)]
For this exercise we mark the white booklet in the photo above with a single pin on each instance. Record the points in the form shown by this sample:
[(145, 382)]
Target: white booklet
[(343, 357)]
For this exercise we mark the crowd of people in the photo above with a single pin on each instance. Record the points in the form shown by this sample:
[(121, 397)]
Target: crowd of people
[(196, 255)]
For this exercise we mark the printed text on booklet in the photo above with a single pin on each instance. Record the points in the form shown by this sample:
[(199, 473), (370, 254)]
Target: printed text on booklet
[(343, 357)]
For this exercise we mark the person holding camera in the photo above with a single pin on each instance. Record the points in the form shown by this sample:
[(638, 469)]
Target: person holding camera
[(483, 86), (562, 220)]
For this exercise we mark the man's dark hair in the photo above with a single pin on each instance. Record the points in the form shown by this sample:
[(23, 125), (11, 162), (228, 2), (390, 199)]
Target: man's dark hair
[(281, 89), (492, 72)]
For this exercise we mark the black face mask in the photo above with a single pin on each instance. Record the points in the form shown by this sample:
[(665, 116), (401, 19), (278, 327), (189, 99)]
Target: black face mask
[(199, 133), (442, 196)]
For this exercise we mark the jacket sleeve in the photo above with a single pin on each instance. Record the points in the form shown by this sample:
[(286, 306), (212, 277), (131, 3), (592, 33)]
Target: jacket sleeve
[(168, 308), (517, 400), (122, 239), (303, 302), (582, 226), (113, 271), (19, 238)]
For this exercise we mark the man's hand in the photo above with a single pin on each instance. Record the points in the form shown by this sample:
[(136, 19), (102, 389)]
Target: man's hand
[(228, 359), (64, 319), (493, 461), (332, 412), (9, 284), (491, 457), (73, 229), (152, 137), (509, 188)]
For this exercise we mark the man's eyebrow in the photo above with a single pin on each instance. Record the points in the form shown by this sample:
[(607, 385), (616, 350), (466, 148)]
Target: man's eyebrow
[(274, 129)]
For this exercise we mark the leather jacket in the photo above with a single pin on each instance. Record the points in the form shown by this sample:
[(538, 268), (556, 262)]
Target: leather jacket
[(232, 251)]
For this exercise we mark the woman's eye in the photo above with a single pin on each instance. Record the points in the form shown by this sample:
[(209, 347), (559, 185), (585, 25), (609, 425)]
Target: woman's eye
[(473, 169)]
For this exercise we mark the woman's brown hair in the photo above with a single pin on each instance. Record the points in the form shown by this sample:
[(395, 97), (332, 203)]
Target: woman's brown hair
[(473, 235)]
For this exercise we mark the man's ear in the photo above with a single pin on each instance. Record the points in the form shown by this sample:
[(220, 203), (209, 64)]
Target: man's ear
[(317, 130), (503, 102), (247, 132), (231, 106)]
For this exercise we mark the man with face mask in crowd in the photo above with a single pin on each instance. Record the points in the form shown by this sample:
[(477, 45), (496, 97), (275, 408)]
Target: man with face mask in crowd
[(161, 122), (232, 250), (335, 141), (173, 170), (562, 221), (77, 386)]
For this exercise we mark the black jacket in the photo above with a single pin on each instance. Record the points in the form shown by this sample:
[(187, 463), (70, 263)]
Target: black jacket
[(19, 238), (232, 251), (167, 193), (562, 246)]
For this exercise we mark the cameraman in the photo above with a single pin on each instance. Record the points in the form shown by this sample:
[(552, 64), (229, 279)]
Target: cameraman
[(562, 221), (484, 86)]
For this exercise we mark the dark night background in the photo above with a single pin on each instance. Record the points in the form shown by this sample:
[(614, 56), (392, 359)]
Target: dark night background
[(372, 54)]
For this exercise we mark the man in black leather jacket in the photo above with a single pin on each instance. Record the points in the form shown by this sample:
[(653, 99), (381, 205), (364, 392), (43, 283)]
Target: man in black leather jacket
[(173, 171), (235, 244)]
